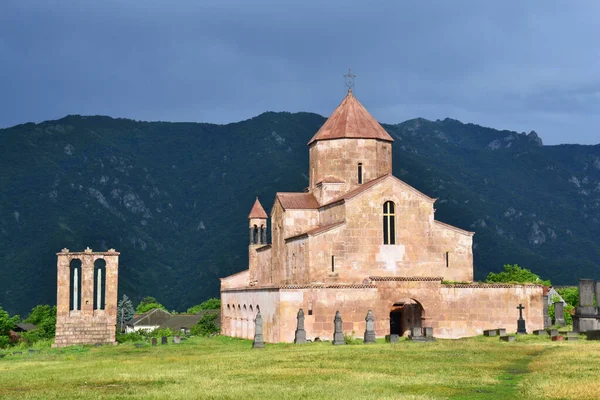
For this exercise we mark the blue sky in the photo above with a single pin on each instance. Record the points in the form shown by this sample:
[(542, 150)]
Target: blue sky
[(508, 65)]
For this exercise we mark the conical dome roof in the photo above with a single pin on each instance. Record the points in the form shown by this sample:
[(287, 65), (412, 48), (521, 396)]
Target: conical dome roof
[(257, 211), (351, 120)]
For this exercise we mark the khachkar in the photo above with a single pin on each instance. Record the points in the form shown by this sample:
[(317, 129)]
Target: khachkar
[(587, 317), (86, 297)]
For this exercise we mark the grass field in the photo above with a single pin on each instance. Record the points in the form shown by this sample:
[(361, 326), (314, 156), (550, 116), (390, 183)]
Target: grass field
[(226, 368)]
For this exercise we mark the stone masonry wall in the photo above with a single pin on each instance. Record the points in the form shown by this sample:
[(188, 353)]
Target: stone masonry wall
[(86, 326), (340, 157), (421, 244)]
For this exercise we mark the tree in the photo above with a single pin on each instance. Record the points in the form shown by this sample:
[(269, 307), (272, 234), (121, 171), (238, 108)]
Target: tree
[(7, 323), (44, 318), (207, 325), (515, 274), (570, 295), (148, 303), (210, 304), (125, 311)]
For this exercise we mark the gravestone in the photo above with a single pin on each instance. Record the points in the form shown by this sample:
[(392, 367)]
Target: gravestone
[(300, 336), (370, 329), (31, 351), (507, 338), (394, 338), (521, 330), (586, 317), (338, 333), (2, 355), (176, 339), (547, 319), (490, 332), (416, 331), (17, 353), (572, 336), (428, 332), (98, 345), (138, 345), (559, 313), (164, 340), (501, 332), (540, 332), (593, 335), (154, 341), (259, 341), (552, 332), (557, 338)]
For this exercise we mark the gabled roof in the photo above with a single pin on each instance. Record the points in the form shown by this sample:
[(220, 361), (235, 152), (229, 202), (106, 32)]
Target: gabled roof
[(258, 211), (187, 321), (24, 327), (317, 230), (351, 120), (330, 179), (366, 186), (297, 201), (154, 317)]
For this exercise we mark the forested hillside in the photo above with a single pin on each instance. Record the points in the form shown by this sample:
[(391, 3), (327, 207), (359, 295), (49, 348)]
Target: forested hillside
[(173, 197)]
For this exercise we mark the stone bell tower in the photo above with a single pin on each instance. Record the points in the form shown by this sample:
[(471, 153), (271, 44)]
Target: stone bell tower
[(86, 297), (258, 235)]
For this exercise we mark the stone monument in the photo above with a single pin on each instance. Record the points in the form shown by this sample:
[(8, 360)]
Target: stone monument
[(300, 336), (370, 329), (338, 333), (86, 297), (521, 330), (587, 317), (559, 313), (259, 341), (547, 319)]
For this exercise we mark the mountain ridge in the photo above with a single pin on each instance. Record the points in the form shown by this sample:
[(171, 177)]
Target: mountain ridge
[(173, 197)]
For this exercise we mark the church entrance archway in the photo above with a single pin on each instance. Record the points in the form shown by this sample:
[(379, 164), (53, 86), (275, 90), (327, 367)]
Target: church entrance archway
[(405, 315)]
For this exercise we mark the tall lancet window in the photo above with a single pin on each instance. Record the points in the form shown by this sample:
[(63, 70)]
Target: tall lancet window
[(389, 223), (360, 173), (75, 285), (99, 284)]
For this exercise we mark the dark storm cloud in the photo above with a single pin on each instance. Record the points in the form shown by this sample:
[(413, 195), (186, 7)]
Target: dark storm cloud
[(508, 65)]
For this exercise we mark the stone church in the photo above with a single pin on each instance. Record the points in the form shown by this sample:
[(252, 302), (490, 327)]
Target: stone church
[(360, 239)]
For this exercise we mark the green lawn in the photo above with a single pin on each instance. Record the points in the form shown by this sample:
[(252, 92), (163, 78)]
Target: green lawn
[(227, 368)]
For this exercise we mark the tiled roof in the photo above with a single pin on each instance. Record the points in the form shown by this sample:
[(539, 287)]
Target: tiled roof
[(331, 179), (257, 211), (351, 120), (317, 230), (154, 317), (370, 184), (298, 201), (358, 190)]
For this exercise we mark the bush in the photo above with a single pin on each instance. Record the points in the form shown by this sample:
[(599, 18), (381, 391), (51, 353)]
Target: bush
[(7, 323), (137, 336), (160, 332), (567, 311), (210, 304), (515, 274), (350, 339), (570, 295), (207, 325)]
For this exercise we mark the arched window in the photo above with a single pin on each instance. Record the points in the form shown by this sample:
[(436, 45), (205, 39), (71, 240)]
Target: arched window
[(99, 284), (360, 173), (389, 223), (263, 234), (75, 285), (255, 235)]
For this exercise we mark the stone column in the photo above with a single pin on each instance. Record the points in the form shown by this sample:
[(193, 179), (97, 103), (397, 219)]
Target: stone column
[(87, 284), (370, 329), (338, 333), (300, 336), (559, 313)]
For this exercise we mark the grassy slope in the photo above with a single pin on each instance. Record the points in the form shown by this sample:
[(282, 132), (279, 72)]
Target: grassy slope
[(228, 368)]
